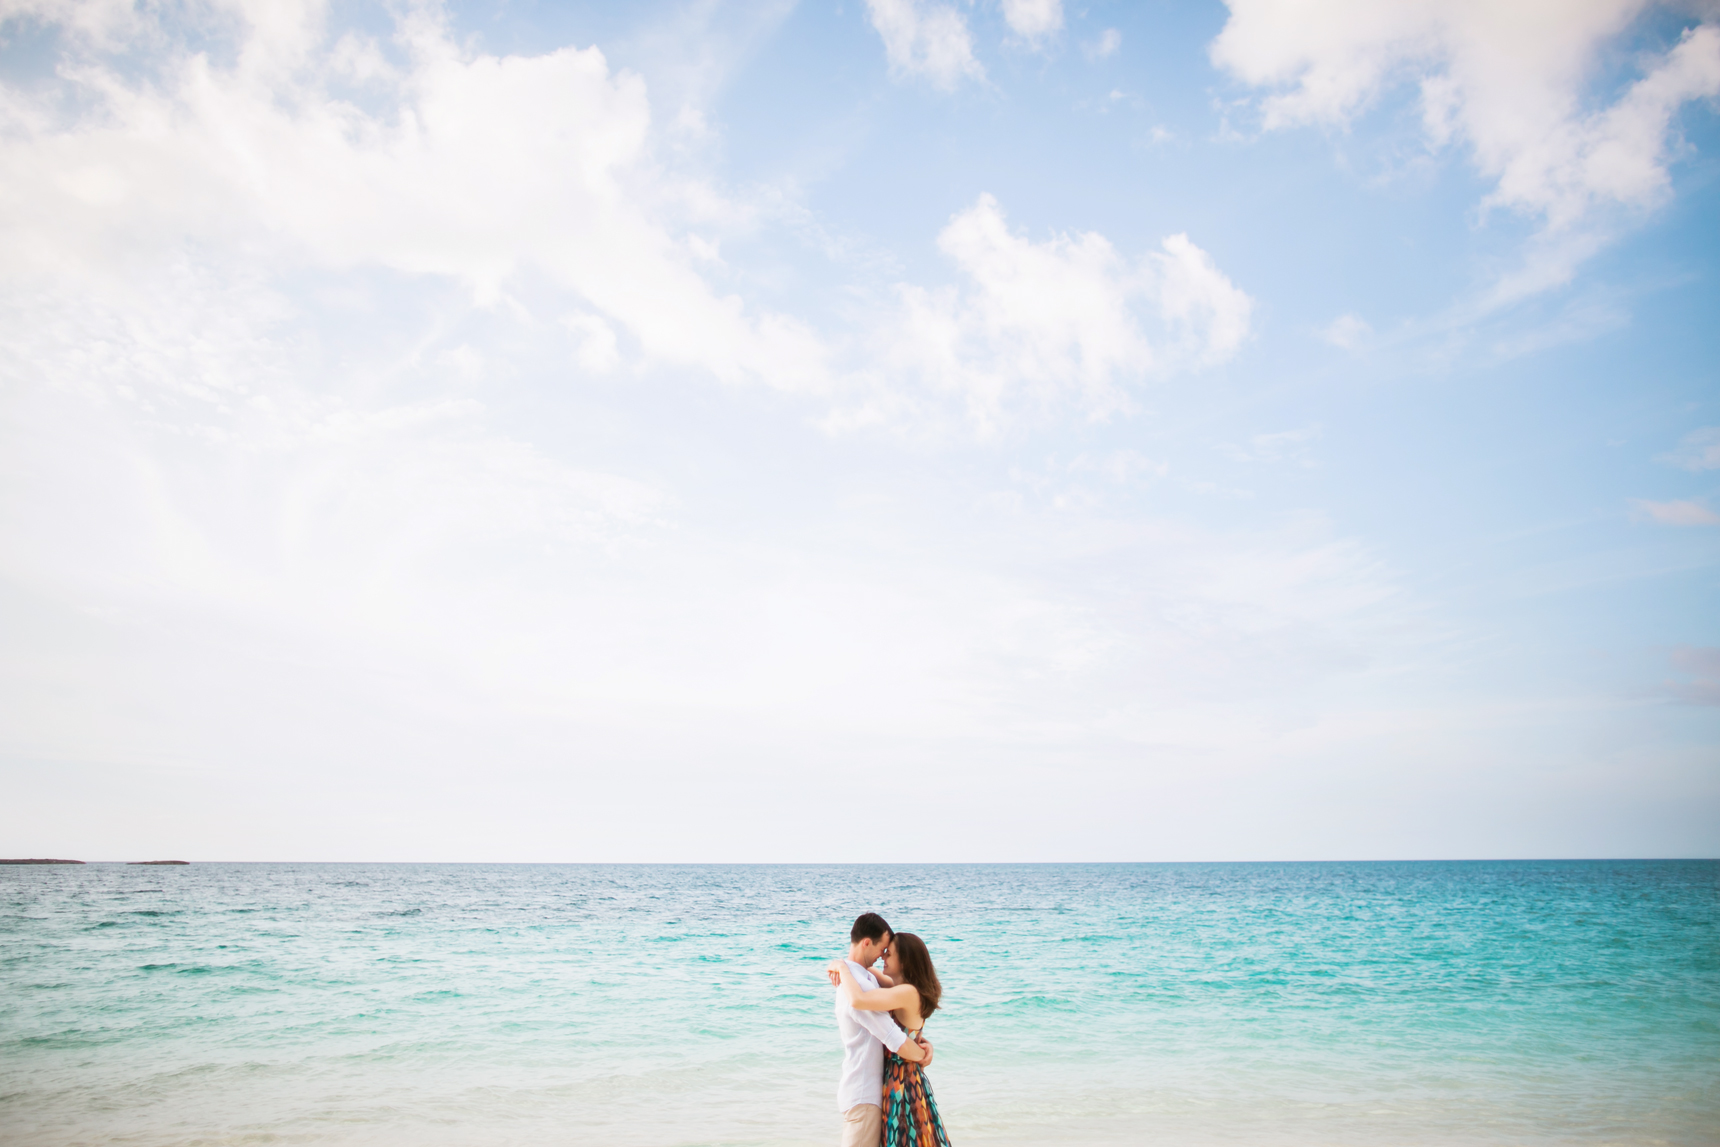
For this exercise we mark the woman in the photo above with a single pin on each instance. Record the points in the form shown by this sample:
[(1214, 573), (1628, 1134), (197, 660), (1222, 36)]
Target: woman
[(910, 994)]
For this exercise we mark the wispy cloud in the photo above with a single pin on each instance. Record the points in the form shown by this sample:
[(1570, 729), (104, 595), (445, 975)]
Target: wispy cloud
[(928, 40), (1110, 41), (1678, 513), (1346, 332), (474, 167), (494, 171), (1065, 318), (1700, 450), (1034, 20), (1280, 446), (1511, 90)]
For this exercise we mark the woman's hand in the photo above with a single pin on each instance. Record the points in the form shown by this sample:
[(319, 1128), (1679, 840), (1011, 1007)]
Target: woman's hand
[(834, 971)]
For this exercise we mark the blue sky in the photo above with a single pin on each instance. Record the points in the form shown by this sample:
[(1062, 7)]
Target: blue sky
[(891, 430)]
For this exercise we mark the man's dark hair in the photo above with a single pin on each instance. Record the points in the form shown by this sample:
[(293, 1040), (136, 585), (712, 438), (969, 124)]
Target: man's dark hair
[(868, 926)]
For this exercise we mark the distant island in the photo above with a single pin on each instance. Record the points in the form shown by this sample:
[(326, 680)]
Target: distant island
[(34, 860)]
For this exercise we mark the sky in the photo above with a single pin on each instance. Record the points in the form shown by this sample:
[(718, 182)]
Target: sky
[(859, 431)]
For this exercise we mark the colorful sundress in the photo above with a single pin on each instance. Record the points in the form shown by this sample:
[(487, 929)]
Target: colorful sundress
[(910, 1113)]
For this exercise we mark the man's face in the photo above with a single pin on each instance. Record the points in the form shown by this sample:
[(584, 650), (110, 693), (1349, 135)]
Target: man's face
[(870, 950)]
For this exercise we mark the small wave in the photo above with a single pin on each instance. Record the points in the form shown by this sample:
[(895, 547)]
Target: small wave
[(61, 1040), (179, 969)]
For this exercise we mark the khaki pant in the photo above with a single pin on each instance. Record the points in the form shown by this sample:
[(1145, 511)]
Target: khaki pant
[(862, 1126)]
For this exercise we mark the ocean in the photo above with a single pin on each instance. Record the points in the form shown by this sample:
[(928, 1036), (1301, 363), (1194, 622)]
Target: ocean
[(1559, 1002)]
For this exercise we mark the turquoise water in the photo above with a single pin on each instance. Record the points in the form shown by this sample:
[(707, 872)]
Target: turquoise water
[(1413, 1003)]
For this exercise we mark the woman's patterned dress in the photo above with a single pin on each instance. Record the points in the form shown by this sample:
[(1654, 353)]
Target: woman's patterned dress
[(910, 1114)]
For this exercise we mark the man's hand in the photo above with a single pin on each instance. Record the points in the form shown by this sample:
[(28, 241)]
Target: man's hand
[(925, 1046)]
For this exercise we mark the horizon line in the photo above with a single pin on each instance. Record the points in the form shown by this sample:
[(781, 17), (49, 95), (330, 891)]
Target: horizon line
[(36, 863)]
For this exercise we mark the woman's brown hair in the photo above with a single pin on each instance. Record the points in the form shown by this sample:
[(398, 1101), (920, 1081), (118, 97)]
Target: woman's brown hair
[(916, 966)]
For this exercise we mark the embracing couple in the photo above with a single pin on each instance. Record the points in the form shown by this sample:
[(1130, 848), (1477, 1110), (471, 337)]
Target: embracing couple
[(884, 1096)]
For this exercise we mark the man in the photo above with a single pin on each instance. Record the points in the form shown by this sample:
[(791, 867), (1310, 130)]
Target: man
[(865, 1036)]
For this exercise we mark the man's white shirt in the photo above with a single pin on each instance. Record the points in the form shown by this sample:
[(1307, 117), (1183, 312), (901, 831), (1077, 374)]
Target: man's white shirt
[(865, 1035)]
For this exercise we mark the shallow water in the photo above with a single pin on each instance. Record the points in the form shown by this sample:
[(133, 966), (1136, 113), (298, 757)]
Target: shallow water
[(1414, 1003)]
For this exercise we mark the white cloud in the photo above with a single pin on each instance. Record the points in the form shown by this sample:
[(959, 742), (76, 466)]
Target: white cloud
[(1278, 446), (476, 168), (507, 173), (1033, 20), (1700, 450), (99, 22), (1347, 332), (930, 40), (597, 351), (1106, 45), (1067, 317), (1615, 156), (1508, 79), (1208, 312), (1679, 513)]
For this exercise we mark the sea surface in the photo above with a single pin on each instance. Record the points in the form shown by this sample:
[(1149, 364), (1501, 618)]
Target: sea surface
[(1369, 1004)]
